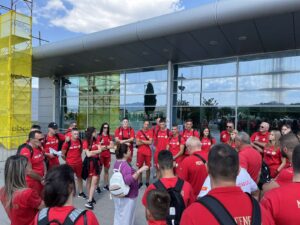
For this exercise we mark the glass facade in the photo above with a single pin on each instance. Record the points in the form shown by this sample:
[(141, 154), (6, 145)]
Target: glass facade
[(96, 98), (245, 89)]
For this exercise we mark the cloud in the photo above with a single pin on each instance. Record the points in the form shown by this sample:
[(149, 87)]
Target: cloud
[(94, 15)]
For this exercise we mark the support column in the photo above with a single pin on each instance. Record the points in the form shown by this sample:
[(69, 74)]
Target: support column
[(169, 94)]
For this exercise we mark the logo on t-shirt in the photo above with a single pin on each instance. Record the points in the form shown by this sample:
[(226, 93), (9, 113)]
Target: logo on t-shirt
[(298, 203)]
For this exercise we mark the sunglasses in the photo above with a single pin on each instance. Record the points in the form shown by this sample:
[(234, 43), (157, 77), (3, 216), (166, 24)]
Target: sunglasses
[(105, 127), (228, 126)]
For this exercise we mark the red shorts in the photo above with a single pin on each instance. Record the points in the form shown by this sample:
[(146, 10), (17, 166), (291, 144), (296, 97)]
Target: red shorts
[(131, 154), (53, 162), (92, 169), (35, 185), (143, 158), (105, 161), (77, 169)]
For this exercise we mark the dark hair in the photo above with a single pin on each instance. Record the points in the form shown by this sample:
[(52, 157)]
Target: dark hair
[(35, 126), (209, 134), (158, 204), (188, 120), (289, 141), (124, 118), (165, 160), (75, 129), (223, 162), (59, 183), (121, 150), (33, 133), (175, 125), (296, 159), (162, 120), (102, 127), (89, 136)]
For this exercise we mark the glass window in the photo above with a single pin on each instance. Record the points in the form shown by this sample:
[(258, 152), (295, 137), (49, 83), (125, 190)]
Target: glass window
[(291, 63), (219, 70), (187, 99), (257, 66), (159, 88), (71, 92), (138, 100), (146, 76), (220, 84), (190, 71), (188, 86), (218, 98)]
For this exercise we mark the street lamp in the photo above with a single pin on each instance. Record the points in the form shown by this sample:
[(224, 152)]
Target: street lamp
[(181, 88)]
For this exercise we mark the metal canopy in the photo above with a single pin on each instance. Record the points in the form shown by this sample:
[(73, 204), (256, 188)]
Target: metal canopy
[(222, 29)]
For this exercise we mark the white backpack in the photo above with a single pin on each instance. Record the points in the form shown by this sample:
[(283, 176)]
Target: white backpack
[(117, 186)]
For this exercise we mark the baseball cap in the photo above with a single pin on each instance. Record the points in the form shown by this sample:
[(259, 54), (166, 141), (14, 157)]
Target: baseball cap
[(53, 125)]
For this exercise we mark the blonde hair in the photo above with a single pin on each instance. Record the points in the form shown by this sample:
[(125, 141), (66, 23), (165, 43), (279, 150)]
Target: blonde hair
[(14, 177), (277, 136)]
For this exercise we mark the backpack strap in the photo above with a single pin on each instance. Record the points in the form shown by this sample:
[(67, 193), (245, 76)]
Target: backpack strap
[(73, 216), (200, 157), (43, 217), (68, 148), (160, 186), (179, 185), (256, 212), (217, 209)]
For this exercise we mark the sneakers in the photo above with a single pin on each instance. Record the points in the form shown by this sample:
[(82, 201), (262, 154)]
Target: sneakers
[(98, 190), (82, 195), (89, 205), (140, 185), (93, 201), (106, 187)]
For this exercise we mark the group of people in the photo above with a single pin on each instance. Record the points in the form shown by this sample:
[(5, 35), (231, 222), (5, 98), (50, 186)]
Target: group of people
[(197, 180)]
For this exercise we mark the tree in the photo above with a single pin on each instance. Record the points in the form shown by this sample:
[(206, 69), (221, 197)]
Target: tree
[(210, 112), (149, 100)]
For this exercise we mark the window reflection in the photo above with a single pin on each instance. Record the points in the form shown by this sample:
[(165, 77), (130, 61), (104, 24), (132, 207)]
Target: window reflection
[(138, 100), (159, 88), (220, 84), (187, 99), (187, 86), (219, 70), (142, 77), (218, 98)]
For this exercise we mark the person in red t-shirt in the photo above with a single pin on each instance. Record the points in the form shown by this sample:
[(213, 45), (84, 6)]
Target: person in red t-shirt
[(231, 141), (144, 140), (207, 141), (176, 146), (288, 143), (283, 203), (20, 203), (59, 192), (272, 154), (68, 132), (92, 149), (223, 167), (161, 139), (71, 152), (53, 141), (37, 168), (225, 134), (169, 180), (261, 138), (125, 135), (192, 169), (157, 210), (187, 132), (106, 141), (250, 159)]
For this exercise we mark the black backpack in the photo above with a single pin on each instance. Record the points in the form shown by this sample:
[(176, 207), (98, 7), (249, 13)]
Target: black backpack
[(71, 218), (264, 175), (177, 204), (222, 215), (69, 145), (25, 145)]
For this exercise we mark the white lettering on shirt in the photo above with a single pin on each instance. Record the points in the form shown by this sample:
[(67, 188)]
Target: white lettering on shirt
[(243, 220)]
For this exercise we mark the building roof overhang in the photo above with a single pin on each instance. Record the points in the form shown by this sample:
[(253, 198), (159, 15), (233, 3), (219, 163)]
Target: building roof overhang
[(216, 30)]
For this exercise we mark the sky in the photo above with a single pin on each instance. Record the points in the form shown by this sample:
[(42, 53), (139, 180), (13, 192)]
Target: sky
[(58, 20)]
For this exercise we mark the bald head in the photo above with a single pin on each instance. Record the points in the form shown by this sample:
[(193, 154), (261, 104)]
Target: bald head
[(193, 144)]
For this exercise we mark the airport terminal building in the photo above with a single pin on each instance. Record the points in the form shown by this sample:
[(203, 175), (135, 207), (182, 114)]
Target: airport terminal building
[(229, 60)]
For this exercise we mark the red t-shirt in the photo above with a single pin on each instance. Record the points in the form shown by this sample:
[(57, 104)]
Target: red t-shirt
[(52, 142), (74, 152), (237, 203), (185, 134), (258, 136), (285, 176), (25, 206), (272, 157), (161, 139), (251, 160), (95, 144), (186, 192), (207, 143), (193, 170), (284, 204), (60, 214), (224, 136), (37, 160), (174, 145), (144, 149), (124, 134), (68, 133), (104, 141)]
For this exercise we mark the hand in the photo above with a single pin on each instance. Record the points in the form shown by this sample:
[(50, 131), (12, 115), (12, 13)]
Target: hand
[(143, 168), (68, 139)]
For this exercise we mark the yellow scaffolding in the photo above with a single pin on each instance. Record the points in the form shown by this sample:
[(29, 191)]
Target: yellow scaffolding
[(15, 75)]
